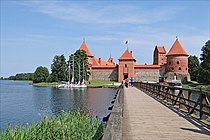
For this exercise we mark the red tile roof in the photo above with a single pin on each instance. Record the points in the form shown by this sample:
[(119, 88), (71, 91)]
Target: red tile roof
[(85, 48), (95, 62), (126, 56), (177, 49), (161, 49), (148, 66), (110, 60), (104, 67), (98, 62)]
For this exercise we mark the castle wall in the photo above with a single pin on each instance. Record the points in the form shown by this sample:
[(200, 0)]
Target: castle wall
[(104, 74), (184, 77), (149, 74)]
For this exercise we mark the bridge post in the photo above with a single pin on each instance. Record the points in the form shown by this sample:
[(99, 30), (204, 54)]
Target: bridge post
[(202, 101), (189, 98)]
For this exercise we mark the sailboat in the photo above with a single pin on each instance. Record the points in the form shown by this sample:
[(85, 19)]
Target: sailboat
[(70, 84), (79, 84)]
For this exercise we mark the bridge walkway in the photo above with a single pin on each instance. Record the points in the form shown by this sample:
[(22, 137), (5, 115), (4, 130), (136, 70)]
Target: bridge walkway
[(146, 118)]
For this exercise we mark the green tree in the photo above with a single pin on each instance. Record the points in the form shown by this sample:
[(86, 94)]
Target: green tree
[(193, 64), (59, 68), (80, 60), (204, 70), (40, 75), (23, 76), (11, 78), (49, 78)]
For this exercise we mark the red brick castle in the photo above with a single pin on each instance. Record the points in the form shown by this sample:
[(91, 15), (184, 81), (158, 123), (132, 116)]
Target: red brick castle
[(164, 65)]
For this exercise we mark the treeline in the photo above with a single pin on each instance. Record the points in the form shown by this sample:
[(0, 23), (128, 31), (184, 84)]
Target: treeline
[(21, 76), (59, 69), (200, 71)]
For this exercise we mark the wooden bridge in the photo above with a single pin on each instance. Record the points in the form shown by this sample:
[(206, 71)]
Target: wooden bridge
[(158, 112)]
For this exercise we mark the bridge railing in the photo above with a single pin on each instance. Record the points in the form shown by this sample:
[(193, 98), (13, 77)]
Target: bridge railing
[(113, 130), (188, 100)]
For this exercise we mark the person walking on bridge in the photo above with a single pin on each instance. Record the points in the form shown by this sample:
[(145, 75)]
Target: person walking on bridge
[(132, 81), (126, 82)]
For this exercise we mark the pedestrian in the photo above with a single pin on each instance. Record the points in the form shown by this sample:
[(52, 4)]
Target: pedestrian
[(132, 81), (126, 82)]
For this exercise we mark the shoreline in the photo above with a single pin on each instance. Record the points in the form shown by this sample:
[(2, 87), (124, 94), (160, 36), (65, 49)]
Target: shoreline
[(93, 84)]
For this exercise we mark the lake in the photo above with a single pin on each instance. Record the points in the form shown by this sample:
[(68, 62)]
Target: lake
[(21, 103)]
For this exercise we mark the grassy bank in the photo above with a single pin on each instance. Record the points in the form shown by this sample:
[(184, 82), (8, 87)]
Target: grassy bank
[(68, 126), (196, 85), (45, 84), (91, 83), (104, 83)]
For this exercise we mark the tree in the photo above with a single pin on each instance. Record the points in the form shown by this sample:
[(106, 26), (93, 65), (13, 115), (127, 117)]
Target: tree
[(49, 78), (40, 75), (59, 68), (80, 65), (193, 64), (11, 78), (204, 70)]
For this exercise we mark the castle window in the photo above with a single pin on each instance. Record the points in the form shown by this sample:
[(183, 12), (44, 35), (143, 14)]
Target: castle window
[(186, 68), (126, 65), (177, 62), (179, 68), (169, 63), (172, 68), (162, 58)]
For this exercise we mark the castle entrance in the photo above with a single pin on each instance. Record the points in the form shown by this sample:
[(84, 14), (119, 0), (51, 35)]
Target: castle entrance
[(125, 76)]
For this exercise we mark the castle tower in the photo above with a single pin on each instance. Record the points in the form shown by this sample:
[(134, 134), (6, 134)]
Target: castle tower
[(177, 61), (90, 57), (85, 48), (159, 55), (126, 66)]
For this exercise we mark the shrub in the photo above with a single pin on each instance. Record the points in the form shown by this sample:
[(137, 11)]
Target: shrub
[(67, 126)]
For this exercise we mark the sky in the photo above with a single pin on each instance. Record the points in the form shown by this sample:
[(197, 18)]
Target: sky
[(33, 32)]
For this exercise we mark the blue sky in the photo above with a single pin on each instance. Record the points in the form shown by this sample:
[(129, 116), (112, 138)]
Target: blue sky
[(33, 32)]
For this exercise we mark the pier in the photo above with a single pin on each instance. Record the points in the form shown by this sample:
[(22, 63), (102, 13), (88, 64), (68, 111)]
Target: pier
[(150, 111)]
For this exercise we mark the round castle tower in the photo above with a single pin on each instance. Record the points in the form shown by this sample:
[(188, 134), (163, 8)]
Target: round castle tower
[(177, 62)]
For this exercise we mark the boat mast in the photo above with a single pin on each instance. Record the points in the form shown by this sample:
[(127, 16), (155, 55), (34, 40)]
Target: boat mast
[(79, 72), (83, 73), (73, 70), (69, 69)]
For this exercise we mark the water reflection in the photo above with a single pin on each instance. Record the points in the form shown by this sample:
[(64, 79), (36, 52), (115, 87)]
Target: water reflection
[(22, 103)]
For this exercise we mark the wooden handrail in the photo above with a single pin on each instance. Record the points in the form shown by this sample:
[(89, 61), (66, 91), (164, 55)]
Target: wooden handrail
[(180, 96)]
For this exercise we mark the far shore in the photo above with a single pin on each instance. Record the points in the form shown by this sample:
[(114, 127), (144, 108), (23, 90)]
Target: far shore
[(91, 84)]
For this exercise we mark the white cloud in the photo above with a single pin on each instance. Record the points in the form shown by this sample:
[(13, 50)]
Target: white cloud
[(94, 13)]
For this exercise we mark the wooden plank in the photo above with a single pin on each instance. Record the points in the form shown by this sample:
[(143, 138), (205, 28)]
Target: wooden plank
[(145, 118)]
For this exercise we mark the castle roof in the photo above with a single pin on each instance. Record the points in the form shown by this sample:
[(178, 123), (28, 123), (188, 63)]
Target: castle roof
[(85, 48), (110, 59), (177, 49), (161, 49), (127, 56), (100, 62)]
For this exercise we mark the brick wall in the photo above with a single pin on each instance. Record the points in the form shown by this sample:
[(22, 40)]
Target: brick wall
[(104, 74), (147, 76), (177, 64)]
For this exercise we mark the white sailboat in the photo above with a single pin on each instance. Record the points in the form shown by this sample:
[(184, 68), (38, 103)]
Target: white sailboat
[(79, 84), (68, 84), (71, 83)]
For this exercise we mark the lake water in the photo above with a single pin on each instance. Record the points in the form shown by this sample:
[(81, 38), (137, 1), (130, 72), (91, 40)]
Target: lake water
[(21, 103)]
